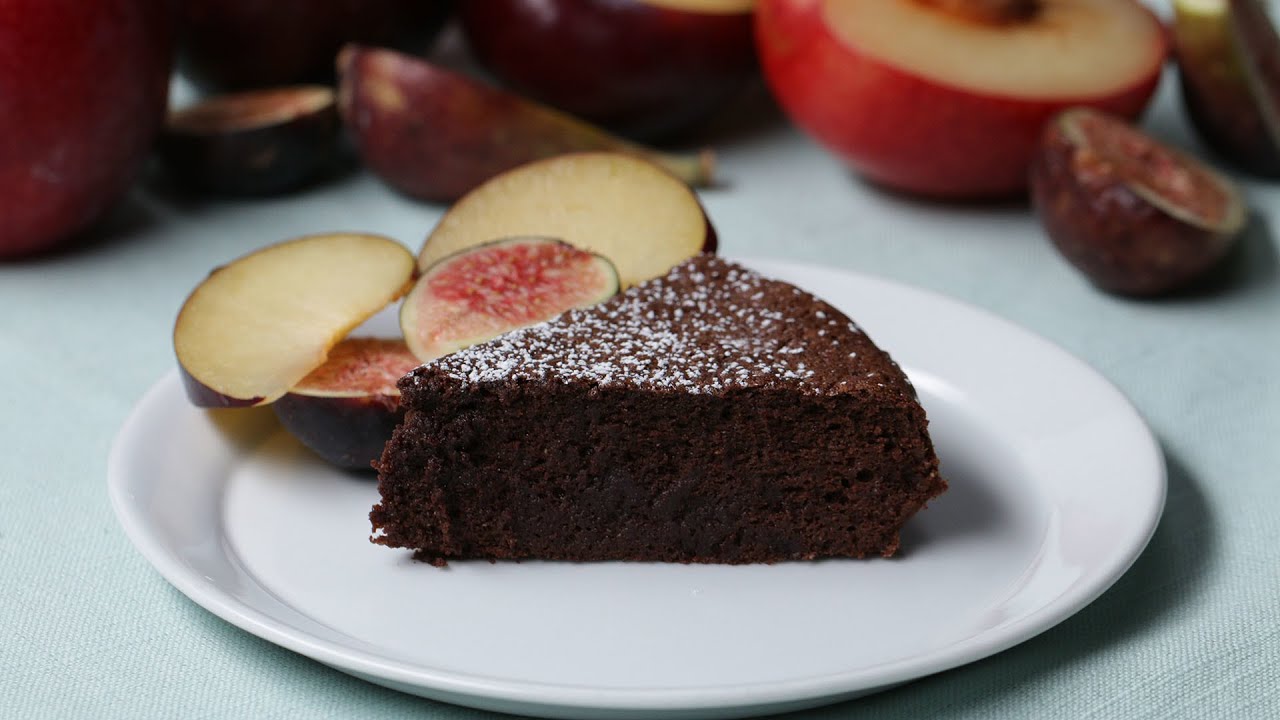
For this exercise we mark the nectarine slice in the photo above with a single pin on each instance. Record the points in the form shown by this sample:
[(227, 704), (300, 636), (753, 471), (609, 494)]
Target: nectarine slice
[(256, 327), (481, 292), (345, 410), (629, 210)]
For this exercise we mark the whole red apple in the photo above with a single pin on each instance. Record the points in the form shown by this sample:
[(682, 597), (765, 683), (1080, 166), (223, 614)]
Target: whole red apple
[(241, 44), (644, 68), (82, 94), (947, 97)]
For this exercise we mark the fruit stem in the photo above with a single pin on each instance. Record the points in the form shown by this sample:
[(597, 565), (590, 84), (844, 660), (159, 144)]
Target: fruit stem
[(695, 169), (997, 12)]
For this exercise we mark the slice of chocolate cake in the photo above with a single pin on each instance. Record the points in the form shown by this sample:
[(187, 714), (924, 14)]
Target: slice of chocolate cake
[(711, 415)]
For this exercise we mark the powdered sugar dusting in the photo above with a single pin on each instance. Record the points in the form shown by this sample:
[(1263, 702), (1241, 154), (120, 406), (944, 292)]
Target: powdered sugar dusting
[(708, 326)]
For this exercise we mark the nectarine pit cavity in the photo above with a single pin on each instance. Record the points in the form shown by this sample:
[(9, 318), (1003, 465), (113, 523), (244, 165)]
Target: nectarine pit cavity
[(991, 12), (1109, 147)]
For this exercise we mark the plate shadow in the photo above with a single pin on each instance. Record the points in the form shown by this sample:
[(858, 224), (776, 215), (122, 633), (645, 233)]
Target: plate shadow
[(1169, 574)]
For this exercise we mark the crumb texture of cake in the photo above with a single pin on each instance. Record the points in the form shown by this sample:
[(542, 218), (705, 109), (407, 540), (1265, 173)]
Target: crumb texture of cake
[(711, 415)]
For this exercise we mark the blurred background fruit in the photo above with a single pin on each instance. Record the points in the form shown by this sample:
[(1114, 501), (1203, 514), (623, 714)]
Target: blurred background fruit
[(82, 94), (239, 44), (643, 68), (946, 98), (435, 134), (1134, 215), (255, 142), (1226, 52)]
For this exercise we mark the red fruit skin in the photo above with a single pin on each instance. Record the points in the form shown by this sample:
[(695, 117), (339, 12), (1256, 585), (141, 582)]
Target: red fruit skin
[(242, 44), (83, 87), (904, 131), (641, 70)]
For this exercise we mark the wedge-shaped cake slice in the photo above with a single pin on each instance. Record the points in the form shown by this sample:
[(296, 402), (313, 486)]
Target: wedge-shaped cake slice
[(711, 415)]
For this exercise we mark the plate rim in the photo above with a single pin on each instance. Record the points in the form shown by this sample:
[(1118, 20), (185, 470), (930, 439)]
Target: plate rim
[(490, 693)]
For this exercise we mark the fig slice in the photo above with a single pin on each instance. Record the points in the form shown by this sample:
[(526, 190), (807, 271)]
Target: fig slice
[(434, 134), (483, 291), (1227, 53), (256, 327), (631, 211), (345, 410), (1135, 216), (260, 142)]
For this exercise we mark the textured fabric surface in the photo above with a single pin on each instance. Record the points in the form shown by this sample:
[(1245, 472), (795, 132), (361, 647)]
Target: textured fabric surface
[(1192, 631)]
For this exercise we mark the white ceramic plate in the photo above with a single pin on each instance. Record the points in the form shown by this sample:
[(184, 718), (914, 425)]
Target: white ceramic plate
[(1056, 486)]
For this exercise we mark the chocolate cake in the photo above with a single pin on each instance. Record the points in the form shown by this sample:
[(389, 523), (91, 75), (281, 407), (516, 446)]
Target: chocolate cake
[(711, 415)]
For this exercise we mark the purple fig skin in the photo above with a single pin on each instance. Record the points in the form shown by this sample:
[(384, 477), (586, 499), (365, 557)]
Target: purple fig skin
[(1217, 95), (261, 158), (1123, 242), (1229, 124), (1259, 44), (641, 70), (347, 408), (434, 134), (348, 432)]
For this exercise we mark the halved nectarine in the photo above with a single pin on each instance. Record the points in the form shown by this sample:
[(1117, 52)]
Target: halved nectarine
[(947, 97)]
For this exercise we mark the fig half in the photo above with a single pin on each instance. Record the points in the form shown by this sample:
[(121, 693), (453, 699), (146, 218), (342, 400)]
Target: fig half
[(262, 142), (434, 134), (483, 291), (1135, 216), (1227, 53), (345, 409)]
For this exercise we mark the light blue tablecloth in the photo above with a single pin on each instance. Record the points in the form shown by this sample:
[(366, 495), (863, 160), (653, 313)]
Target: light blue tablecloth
[(1193, 630)]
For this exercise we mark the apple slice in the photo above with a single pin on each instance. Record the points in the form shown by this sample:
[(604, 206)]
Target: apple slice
[(622, 207), (259, 142), (345, 410), (1136, 217), (434, 134), (256, 327), (947, 98), (481, 292)]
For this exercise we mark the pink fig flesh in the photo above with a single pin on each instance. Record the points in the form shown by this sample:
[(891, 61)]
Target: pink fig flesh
[(484, 291)]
